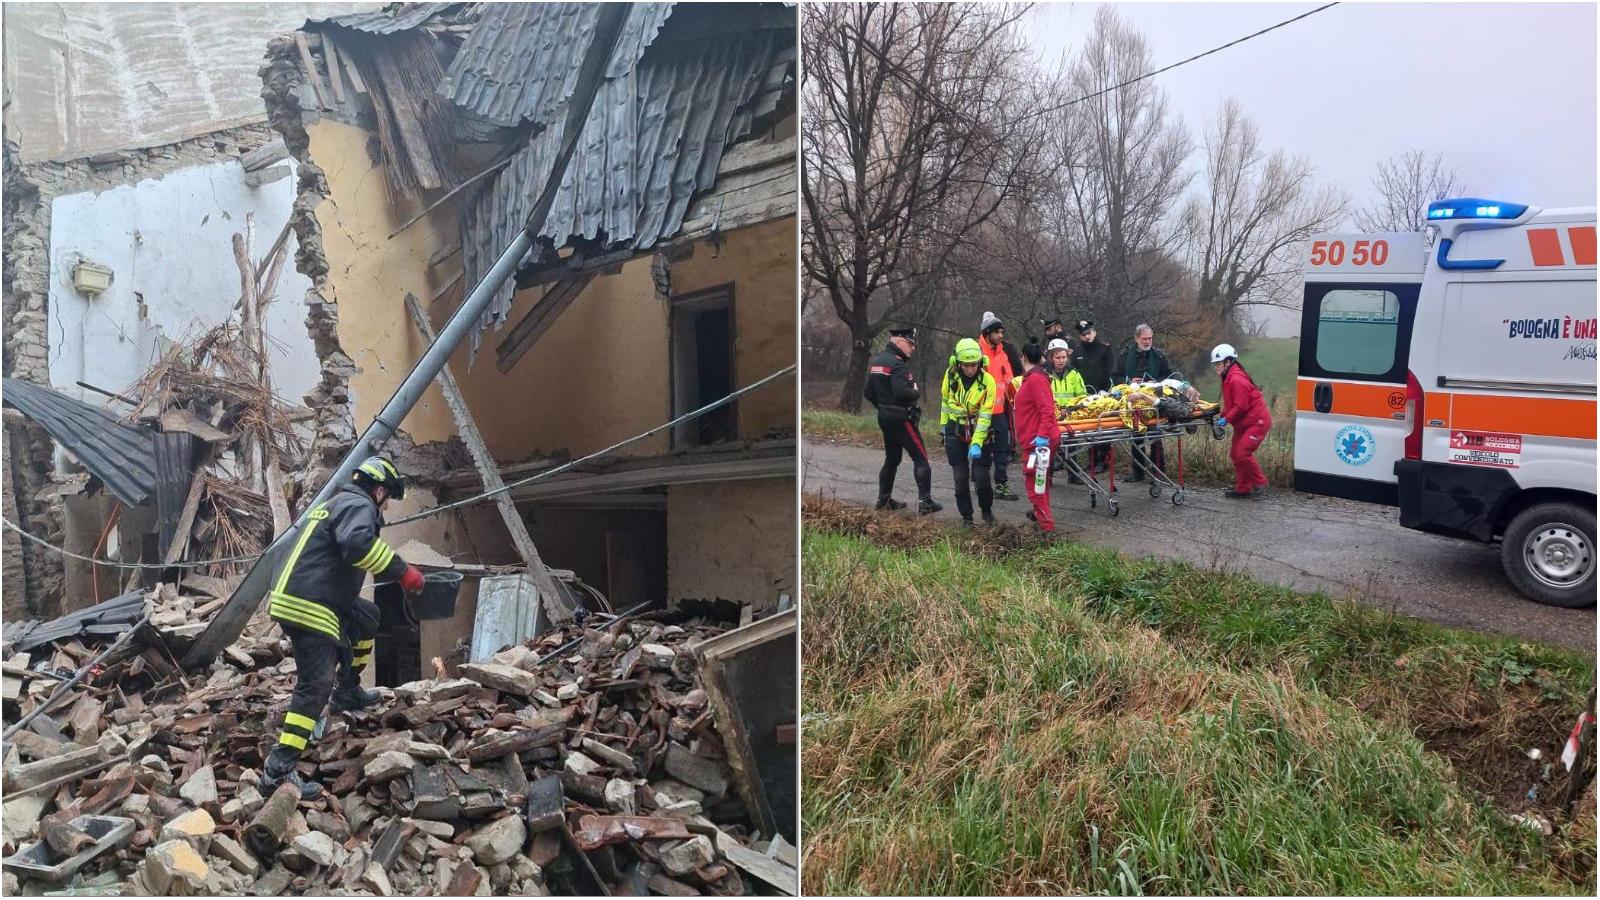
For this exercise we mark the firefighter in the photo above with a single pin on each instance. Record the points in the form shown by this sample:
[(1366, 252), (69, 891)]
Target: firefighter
[(893, 390), (314, 600), (965, 418), (1003, 364), (1066, 383), (1243, 408)]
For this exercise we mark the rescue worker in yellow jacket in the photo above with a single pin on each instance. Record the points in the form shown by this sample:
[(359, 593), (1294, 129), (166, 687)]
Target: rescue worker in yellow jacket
[(966, 416), (314, 598), (1066, 383)]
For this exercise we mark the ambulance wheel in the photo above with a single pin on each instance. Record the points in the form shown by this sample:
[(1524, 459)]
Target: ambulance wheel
[(1112, 502), (1177, 498), (1155, 490), (1549, 554)]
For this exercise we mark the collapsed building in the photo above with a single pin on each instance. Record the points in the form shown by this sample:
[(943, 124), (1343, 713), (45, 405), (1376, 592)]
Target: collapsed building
[(589, 400)]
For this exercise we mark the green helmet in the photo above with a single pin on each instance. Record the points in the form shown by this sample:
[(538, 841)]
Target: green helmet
[(378, 470), (968, 351)]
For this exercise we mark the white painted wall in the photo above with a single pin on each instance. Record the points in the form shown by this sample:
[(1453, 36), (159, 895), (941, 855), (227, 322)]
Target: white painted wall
[(169, 242)]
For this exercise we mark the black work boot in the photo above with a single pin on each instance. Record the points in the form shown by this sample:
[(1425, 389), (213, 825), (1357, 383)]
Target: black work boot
[(1002, 491), (928, 507), (988, 517), (351, 698), (280, 769), (889, 503)]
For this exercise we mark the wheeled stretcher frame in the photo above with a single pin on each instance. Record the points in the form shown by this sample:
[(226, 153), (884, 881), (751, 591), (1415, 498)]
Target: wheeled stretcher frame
[(1072, 442)]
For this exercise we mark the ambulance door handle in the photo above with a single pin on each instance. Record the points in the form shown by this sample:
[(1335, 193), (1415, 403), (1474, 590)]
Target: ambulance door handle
[(1322, 397)]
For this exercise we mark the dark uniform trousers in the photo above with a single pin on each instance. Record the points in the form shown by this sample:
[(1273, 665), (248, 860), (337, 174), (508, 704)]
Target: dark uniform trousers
[(900, 436), (966, 469), (321, 663)]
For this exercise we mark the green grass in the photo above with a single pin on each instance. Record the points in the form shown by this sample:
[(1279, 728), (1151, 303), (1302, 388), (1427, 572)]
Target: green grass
[(1274, 363), (1068, 720)]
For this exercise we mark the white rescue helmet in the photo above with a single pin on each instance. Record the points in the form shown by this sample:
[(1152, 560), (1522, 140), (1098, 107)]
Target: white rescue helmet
[(1058, 344), (1223, 351)]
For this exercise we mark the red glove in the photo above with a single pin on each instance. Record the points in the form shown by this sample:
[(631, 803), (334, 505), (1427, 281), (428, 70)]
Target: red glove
[(411, 580)]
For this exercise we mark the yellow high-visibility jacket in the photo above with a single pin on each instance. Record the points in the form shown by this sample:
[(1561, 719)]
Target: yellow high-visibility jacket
[(969, 406)]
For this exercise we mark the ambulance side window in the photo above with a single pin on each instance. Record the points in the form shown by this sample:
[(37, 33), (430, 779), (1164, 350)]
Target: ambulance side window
[(1359, 332)]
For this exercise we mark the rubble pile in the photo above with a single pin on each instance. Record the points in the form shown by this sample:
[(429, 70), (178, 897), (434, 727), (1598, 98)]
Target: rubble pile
[(585, 761)]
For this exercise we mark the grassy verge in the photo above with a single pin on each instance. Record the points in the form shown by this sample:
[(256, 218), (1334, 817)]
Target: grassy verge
[(1205, 461), (984, 715)]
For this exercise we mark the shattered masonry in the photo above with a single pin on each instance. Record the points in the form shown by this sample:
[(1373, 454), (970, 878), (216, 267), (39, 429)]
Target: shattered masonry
[(29, 452)]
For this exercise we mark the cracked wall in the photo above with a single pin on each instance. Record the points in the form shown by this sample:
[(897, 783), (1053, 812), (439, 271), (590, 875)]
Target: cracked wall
[(33, 576), (732, 539)]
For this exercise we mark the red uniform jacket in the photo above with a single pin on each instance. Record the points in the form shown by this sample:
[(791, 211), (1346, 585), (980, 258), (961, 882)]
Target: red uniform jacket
[(1035, 412), (1241, 399)]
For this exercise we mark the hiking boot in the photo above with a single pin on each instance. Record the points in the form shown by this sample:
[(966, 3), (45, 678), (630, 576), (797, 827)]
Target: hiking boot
[(1031, 516), (1232, 494), (988, 518), (890, 503), (353, 699), (1002, 491), (928, 507), (966, 521), (1259, 490), (307, 787)]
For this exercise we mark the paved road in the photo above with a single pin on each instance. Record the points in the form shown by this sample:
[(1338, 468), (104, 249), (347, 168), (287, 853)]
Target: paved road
[(1341, 548)]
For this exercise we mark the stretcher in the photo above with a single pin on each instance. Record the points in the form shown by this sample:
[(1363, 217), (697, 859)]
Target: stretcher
[(1080, 437)]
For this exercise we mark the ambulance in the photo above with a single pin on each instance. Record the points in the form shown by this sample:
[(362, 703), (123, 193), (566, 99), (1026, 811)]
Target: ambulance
[(1451, 373)]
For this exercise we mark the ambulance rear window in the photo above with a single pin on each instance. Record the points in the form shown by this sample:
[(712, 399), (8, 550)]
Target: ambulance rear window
[(1357, 331)]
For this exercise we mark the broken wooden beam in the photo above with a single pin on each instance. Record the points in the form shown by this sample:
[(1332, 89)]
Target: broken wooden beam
[(550, 595)]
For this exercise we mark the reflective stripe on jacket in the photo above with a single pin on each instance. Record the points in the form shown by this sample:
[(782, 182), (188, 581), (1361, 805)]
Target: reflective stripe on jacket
[(971, 406), (1067, 387), (333, 555)]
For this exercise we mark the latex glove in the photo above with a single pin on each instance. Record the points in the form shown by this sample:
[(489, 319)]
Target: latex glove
[(1041, 441), (411, 580), (974, 450), (1222, 421)]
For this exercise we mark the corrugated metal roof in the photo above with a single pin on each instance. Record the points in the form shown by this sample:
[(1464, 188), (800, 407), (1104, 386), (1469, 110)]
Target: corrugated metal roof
[(654, 140), (520, 63), (388, 20), (121, 455)]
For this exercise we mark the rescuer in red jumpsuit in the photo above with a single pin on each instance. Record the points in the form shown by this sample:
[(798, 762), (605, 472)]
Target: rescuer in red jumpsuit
[(1243, 407), (1035, 417)]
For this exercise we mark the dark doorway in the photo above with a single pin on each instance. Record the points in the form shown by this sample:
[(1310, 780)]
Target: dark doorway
[(702, 365)]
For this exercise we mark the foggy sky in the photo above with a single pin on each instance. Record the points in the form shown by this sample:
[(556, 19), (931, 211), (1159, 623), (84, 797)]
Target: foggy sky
[(1506, 91)]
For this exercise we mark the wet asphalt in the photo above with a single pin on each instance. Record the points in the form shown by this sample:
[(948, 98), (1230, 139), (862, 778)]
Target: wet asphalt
[(1342, 548)]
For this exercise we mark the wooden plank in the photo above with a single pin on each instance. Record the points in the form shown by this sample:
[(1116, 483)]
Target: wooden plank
[(554, 603), (310, 66), (264, 155), (354, 71), (532, 326), (180, 537), (331, 53)]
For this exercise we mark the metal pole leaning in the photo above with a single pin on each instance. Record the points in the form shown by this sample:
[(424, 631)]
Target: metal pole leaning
[(229, 621)]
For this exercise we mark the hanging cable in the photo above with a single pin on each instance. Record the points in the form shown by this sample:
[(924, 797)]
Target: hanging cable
[(431, 511), (786, 370)]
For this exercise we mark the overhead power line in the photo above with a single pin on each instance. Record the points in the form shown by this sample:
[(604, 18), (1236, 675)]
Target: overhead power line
[(900, 73)]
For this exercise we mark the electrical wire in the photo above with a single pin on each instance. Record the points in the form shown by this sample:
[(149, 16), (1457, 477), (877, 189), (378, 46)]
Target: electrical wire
[(431, 511), (877, 53), (786, 370)]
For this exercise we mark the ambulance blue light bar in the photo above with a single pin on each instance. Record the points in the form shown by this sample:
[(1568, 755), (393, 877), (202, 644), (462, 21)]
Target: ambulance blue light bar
[(1474, 208)]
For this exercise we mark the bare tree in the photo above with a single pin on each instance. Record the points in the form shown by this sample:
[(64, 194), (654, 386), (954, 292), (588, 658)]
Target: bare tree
[(1254, 210), (1405, 185), (1122, 160), (918, 128)]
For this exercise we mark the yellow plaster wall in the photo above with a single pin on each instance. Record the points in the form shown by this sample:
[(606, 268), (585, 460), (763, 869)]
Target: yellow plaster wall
[(601, 373), (369, 275), (760, 262)]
